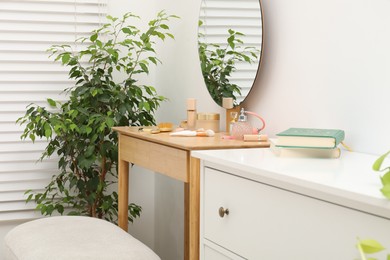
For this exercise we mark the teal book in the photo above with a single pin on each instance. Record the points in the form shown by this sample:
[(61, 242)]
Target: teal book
[(310, 138)]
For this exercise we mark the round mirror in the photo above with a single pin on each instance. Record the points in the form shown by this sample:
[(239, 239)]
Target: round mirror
[(230, 41)]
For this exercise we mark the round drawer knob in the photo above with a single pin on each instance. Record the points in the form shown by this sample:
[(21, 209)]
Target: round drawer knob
[(222, 212)]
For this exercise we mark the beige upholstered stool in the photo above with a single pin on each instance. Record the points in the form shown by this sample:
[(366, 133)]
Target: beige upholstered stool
[(73, 238)]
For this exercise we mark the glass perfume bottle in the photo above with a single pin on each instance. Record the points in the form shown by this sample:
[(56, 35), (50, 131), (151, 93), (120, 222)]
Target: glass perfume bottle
[(242, 126)]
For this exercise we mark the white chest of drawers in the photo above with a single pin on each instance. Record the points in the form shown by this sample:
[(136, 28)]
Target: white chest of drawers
[(258, 206)]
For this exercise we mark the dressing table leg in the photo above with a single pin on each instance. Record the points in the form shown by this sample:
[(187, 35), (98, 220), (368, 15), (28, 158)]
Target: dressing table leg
[(186, 221), (123, 192), (192, 205)]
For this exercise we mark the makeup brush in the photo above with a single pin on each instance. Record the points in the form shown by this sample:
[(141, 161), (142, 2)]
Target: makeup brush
[(207, 133)]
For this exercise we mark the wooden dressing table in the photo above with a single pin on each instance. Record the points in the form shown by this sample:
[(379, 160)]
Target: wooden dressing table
[(170, 156)]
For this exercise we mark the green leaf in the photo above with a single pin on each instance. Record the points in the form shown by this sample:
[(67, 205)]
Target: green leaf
[(386, 190), (153, 59), (72, 62), (60, 209), (51, 102), (370, 246), (146, 106), (144, 67), (88, 130), (170, 35), (110, 122), (93, 37), (378, 163), (109, 17), (122, 109), (65, 58), (29, 198), (89, 151), (73, 127), (99, 43), (48, 133), (95, 92), (159, 35), (32, 137), (385, 179), (230, 41), (126, 30)]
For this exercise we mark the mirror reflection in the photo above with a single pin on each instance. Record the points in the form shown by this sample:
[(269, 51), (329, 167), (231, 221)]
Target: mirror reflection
[(230, 47)]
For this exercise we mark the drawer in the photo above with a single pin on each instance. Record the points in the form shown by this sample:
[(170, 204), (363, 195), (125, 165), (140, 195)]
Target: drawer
[(213, 252), (265, 222), (237, 195)]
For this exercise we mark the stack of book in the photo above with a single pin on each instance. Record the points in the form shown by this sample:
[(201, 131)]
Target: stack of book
[(308, 142)]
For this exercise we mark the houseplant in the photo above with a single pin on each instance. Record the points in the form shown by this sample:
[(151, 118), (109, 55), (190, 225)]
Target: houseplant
[(79, 130), (370, 246), (219, 62)]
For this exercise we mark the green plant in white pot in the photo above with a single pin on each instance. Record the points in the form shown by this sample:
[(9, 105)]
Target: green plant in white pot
[(371, 246), (79, 130)]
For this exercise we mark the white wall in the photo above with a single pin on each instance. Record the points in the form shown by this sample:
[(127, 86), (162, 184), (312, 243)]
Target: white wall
[(326, 64)]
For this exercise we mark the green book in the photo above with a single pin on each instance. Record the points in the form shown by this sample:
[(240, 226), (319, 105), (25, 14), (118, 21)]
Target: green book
[(310, 138)]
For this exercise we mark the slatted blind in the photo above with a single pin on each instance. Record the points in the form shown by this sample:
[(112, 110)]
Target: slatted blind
[(27, 75), (242, 16)]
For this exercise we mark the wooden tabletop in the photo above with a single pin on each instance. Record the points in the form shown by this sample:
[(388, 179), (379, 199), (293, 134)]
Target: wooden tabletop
[(189, 143)]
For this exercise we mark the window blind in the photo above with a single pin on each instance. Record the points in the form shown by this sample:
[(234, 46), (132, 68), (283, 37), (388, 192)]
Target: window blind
[(27, 75), (243, 16)]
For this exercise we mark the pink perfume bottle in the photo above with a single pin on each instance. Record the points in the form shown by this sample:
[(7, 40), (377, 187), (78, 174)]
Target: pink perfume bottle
[(241, 127)]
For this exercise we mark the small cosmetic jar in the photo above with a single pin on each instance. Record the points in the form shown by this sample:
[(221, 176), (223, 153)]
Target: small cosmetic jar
[(208, 121)]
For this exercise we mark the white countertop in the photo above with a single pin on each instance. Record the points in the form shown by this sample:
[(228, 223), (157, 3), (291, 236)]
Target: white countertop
[(348, 180)]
